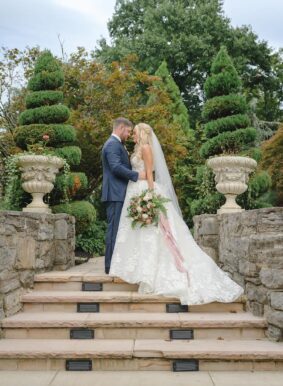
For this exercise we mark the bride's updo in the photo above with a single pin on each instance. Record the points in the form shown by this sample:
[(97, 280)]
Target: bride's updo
[(144, 138), (145, 134)]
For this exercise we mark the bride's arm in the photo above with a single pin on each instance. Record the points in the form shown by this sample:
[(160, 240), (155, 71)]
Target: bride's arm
[(148, 163)]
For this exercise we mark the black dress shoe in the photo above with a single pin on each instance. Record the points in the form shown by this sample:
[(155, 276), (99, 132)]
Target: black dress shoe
[(107, 270)]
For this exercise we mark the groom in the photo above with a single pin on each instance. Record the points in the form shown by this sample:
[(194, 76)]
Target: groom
[(117, 171)]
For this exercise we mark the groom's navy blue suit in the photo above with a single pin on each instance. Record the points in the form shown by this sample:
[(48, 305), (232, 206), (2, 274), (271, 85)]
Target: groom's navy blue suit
[(117, 171)]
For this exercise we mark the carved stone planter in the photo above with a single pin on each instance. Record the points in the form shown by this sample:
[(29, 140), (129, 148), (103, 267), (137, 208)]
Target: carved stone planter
[(231, 177), (38, 176)]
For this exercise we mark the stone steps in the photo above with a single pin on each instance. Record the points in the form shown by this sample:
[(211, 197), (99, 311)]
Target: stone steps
[(206, 355), (129, 331), (135, 325), (73, 281), (110, 301)]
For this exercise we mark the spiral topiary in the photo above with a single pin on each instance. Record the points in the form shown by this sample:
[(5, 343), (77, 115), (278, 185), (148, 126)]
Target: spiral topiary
[(45, 113), (228, 130), (227, 125), (45, 117)]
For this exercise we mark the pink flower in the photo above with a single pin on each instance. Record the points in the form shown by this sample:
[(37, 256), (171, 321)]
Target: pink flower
[(45, 137)]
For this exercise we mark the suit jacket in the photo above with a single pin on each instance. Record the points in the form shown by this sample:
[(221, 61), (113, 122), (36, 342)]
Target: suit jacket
[(117, 170)]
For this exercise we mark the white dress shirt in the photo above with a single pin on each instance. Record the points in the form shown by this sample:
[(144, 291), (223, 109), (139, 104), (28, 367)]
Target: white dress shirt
[(116, 136)]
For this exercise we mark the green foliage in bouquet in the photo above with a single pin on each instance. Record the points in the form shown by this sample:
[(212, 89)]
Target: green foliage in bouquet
[(145, 209)]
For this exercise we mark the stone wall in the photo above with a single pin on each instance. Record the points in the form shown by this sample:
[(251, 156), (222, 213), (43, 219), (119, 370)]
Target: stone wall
[(31, 243), (249, 246)]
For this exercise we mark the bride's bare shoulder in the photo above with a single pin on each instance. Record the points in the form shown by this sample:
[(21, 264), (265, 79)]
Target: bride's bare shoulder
[(146, 149)]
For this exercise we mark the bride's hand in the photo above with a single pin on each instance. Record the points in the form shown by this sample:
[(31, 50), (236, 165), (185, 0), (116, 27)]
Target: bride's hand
[(142, 175)]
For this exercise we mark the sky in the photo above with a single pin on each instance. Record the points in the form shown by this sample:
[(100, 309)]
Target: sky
[(83, 22)]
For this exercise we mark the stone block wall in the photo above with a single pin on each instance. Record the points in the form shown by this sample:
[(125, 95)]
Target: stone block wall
[(31, 243), (249, 246)]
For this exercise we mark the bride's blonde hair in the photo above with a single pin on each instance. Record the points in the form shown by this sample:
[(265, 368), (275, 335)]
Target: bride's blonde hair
[(144, 137)]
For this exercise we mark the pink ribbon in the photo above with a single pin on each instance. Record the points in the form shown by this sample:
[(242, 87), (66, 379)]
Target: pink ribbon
[(172, 244)]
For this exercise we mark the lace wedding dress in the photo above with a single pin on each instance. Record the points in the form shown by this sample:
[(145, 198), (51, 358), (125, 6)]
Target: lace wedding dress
[(142, 256)]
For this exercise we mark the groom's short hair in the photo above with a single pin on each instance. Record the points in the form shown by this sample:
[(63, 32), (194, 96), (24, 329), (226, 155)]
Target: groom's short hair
[(121, 121)]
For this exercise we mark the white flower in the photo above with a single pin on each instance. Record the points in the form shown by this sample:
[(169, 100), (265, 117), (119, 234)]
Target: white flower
[(139, 209), (145, 216), (148, 197)]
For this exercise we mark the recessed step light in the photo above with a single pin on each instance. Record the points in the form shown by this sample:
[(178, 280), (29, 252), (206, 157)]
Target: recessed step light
[(186, 365), (181, 334), (78, 365), (175, 307), (92, 286), (87, 307), (81, 333)]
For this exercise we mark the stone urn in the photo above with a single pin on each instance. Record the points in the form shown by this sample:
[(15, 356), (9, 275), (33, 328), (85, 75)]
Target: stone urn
[(38, 176), (231, 177)]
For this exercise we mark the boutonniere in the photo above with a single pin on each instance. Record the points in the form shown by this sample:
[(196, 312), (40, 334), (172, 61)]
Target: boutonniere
[(126, 150)]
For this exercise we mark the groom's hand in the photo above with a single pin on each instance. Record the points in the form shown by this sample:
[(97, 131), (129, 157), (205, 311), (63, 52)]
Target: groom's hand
[(142, 175)]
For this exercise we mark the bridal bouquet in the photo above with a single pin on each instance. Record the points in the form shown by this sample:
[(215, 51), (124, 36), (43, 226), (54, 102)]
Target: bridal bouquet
[(146, 208)]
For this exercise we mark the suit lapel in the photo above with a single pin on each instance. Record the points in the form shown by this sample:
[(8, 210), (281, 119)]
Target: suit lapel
[(124, 148)]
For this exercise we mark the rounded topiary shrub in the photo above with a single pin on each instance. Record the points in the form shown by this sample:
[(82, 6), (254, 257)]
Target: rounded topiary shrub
[(83, 211), (58, 134), (72, 154), (43, 98), (227, 126)]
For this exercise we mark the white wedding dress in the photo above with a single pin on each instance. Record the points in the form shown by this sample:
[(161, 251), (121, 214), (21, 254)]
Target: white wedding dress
[(142, 256)]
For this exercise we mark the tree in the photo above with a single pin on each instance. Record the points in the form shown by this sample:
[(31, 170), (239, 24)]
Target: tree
[(98, 94), (15, 67), (227, 127), (187, 34), (178, 109)]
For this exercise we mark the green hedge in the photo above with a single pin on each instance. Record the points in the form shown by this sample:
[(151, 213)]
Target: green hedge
[(229, 141), (230, 123), (83, 211), (45, 114), (33, 133), (72, 154), (260, 183), (93, 240), (46, 81), (225, 105), (75, 182), (41, 98), (208, 204), (223, 83)]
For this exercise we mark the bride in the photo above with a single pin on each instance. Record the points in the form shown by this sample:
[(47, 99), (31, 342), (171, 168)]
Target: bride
[(165, 260)]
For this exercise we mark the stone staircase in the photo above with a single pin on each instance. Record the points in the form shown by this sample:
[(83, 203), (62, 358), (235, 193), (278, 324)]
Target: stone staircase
[(82, 319)]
